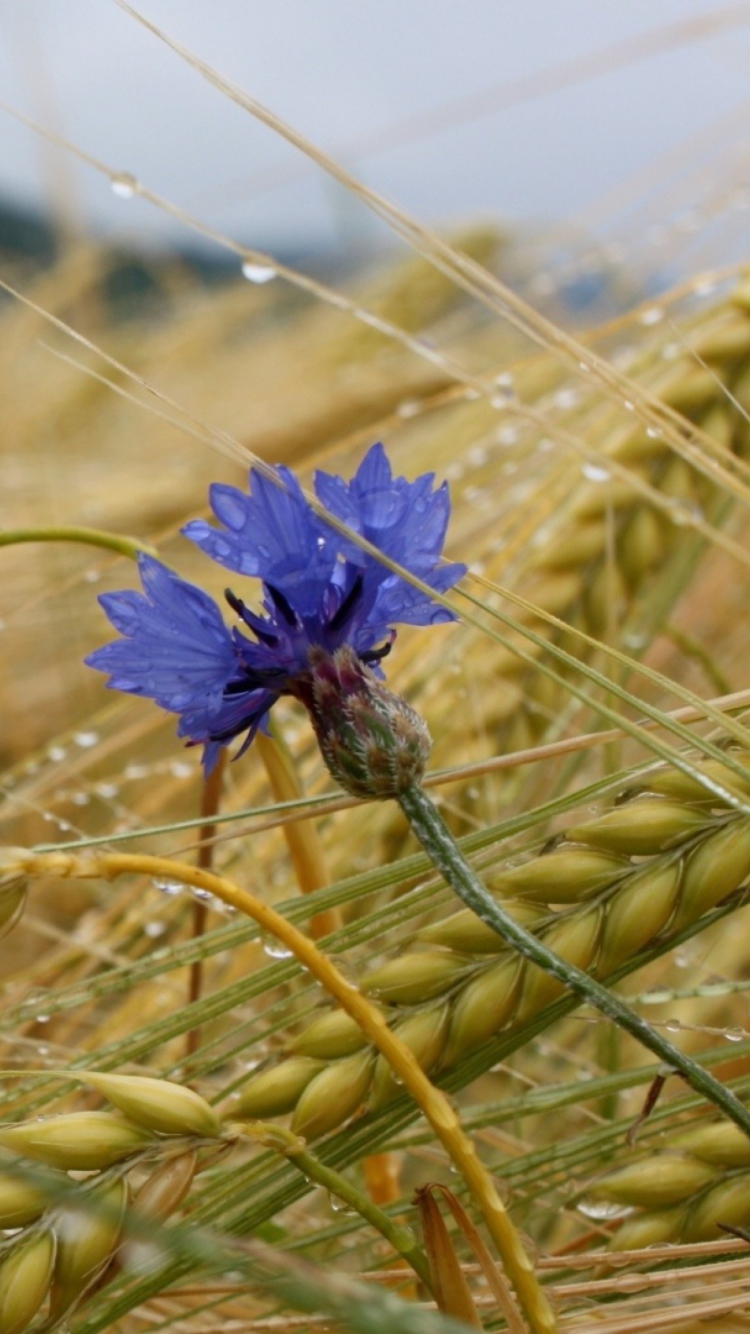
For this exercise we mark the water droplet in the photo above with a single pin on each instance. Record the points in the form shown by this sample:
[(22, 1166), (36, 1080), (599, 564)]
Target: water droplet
[(56, 753), (657, 996), (167, 886), (178, 769), (671, 351), (566, 398), (41, 1018), (477, 456), (471, 395), (601, 1210), (734, 1034), (685, 516), (80, 798), (204, 895), (634, 639), (409, 408), (106, 790), (584, 366), (92, 576), (124, 185), (85, 739), (654, 315), (258, 273), (654, 432), (595, 473), (673, 1025), (154, 929), (275, 950), (339, 1206), (508, 435)]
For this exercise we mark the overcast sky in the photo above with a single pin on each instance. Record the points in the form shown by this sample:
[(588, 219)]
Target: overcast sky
[(433, 102)]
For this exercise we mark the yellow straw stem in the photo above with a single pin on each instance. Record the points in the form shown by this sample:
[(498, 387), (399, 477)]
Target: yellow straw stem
[(434, 1105), (305, 847)]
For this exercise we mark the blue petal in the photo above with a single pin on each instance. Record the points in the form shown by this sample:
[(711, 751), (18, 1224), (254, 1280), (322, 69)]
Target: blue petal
[(272, 534)]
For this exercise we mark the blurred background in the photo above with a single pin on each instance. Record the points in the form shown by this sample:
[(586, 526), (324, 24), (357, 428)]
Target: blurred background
[(610, 133)]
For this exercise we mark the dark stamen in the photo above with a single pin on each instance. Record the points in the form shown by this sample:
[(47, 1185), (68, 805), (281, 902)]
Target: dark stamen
[(282, 605), (340, 617), (239, 607), (376, 654), (261, 680)]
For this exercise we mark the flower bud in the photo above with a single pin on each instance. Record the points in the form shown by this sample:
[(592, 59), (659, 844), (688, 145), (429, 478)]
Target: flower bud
[(373, 742), (76, 1141), (157, 1104), (25, 1275)]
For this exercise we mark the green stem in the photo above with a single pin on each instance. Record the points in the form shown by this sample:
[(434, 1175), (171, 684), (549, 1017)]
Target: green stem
[(93, 537), (293, 1148), (441, 847)]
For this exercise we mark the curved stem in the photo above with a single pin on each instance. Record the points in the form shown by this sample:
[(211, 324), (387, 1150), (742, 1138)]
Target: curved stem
[(433, 1103), (93, 537), (441, 847), (295, 1150)]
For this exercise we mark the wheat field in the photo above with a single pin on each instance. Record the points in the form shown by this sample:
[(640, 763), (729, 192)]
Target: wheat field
[(235, 1151)]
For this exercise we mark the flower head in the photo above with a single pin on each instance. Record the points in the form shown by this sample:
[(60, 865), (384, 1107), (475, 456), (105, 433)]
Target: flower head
[(321, 592)]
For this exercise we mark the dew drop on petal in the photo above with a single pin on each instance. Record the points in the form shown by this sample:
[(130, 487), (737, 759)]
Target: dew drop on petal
[(258, 273), (673, 1025), (734, 1034)]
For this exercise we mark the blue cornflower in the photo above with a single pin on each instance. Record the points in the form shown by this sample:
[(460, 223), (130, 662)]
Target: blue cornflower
[(322, 594)]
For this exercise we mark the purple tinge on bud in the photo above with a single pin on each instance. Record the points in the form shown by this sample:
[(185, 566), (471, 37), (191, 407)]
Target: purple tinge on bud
[(372, 741)]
